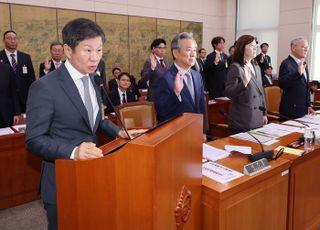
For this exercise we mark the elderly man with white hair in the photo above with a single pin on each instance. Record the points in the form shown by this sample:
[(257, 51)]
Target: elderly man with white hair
[(294, 81)]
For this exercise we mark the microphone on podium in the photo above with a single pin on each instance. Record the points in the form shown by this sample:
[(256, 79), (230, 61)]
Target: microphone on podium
[(259, 155), (98, 80)]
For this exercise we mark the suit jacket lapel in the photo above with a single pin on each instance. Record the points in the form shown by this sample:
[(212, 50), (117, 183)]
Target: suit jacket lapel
[(72, 92), (255, 80)]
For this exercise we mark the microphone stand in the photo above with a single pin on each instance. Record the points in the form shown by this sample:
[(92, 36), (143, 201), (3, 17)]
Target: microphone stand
[(100, 84), (259, 155)]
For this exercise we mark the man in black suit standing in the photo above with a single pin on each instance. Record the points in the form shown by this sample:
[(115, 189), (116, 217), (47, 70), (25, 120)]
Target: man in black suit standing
[(215, 69), (264, 60), (113, 83), (9, 102), (21, 64), (64, 109), (294, 81), (56, 51), (200, 62), (155, 65)]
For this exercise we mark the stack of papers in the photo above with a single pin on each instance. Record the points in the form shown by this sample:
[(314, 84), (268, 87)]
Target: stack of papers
[(213, 154), (6, 131)]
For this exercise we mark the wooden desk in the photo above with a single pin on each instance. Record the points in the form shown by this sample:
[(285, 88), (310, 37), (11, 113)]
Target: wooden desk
[(218, 122), (304, 189), (256, 202), (19, 172)]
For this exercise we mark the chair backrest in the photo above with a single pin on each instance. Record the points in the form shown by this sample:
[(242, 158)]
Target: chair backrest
[(273, 97), (140, 114)]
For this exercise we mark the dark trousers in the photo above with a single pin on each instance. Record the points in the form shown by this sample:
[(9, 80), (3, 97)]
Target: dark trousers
[(52, 216)]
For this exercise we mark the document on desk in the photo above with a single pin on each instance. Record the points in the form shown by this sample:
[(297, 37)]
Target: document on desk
[(314, 119), (20, 128), (5, 131), (282, 127), (247, 137), (212, 153), (219, 172)]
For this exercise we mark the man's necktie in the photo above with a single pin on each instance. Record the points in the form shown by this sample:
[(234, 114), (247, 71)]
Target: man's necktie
[(87, 99), (221, 57), (13, 63), (162, 63), (190, 85), (124, 98), (57, 64)]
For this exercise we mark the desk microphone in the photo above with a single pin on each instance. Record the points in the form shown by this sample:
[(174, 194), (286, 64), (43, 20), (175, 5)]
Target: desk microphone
[(263, 109), (259, 155), (99, 83)]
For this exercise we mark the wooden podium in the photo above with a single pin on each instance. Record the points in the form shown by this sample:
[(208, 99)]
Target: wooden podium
[(152, 182)]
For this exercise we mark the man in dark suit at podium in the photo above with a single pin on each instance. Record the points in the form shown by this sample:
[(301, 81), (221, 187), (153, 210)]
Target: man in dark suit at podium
[(180, 88), (64, 112), (21, 64)]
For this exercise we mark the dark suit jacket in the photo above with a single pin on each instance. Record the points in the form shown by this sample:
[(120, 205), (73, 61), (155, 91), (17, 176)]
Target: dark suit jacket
[(112, 85), (295, 98), (215, 75), (200, 70), (23, 80), (265, 81), (9, 102), (101, 79), (244, 113), (153, 75), (57, 122), (41, 68), (265, 63), (116, 100), (168, 104)]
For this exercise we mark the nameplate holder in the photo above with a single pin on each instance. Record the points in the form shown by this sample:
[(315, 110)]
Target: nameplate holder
[(256, 167)]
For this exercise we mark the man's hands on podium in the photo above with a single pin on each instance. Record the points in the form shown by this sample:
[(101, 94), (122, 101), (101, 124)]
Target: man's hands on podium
[(131, 132), (87, 150)]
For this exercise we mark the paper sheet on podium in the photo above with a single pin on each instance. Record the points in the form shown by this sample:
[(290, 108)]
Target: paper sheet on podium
[(219, 172)]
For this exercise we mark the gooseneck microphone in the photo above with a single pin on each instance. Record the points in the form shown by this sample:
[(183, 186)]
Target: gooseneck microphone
[(259, 155), (263, 109), (99, 83)]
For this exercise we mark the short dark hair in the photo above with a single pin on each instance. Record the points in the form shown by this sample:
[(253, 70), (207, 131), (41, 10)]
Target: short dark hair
[(81, 29), (55, 43), (115, 68), (124, 74), (199, 51), (157, 42), (264, 44), (217, 40), (8, 31)]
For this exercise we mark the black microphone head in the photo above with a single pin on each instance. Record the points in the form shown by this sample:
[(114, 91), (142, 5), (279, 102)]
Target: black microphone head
[(262, 108)]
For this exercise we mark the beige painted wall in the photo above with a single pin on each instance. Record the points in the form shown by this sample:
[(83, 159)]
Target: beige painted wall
[(295, 20)]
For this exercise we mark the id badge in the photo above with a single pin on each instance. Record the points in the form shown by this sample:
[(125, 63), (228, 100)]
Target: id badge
[(24, 69)]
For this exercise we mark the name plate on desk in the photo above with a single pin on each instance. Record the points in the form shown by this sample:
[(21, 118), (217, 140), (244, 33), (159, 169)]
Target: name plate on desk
[(256, 167)]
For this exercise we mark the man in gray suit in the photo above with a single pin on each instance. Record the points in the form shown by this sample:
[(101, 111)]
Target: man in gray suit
[(63, 109), (155, 65)]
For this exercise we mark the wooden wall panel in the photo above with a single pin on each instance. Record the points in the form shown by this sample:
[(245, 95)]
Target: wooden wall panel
[(64, 16), (116, 48), (36, 29), (168, 29), (195, 28), (142, 31), (4, 20)]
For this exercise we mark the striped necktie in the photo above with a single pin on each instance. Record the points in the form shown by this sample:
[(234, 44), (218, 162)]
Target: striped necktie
[(87, 99), (13, 63), (188, 80)]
